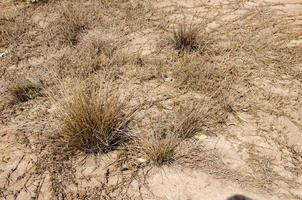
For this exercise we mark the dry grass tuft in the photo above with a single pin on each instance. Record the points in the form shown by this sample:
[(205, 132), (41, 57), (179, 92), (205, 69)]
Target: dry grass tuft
[(186, 38), (164, 145), (26, 91), (93, 122), (158, 150), (188, 123), (71, 22)]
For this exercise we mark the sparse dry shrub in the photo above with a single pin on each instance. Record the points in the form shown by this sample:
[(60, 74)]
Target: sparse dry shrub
[(163, 145), (90, 119), (93, 122), (24, 91), (72, 21), (188, 123), (186, 37), (158, 149)]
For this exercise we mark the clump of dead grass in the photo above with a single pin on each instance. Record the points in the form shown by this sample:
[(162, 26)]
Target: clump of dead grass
[(163, 145), (24, 91), (72, 21), (188, 123), (158, 149), (186, 38), (93, 122)]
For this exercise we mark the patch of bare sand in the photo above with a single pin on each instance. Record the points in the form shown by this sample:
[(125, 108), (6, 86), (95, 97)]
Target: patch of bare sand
[(178, 184)]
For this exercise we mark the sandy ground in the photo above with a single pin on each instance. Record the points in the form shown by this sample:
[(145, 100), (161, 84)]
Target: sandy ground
[(259, 154)]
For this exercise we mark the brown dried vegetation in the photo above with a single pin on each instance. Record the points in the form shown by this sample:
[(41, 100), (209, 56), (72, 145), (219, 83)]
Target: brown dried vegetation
[(215, 69), (93, 122), (186, 37), (71, 22)]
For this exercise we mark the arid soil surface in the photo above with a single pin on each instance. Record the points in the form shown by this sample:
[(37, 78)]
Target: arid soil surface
[(242, 80)]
